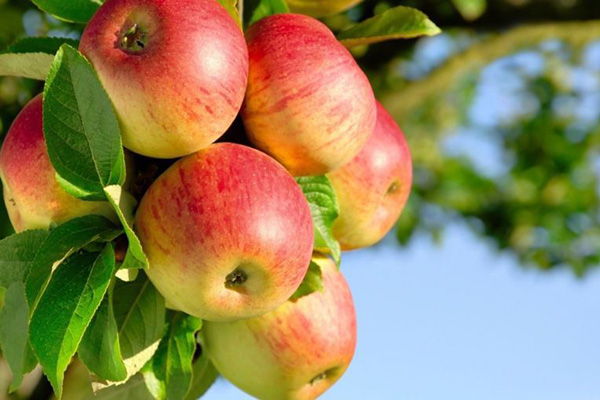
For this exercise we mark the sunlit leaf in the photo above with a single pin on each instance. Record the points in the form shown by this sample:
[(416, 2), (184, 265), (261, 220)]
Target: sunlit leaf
[(396, 23), (31, 57), (324, 209)]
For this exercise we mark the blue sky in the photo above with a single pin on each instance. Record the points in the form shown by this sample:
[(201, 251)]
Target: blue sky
[(461, 321)]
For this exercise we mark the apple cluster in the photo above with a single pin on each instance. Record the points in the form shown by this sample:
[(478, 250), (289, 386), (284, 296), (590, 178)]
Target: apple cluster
[(226, 228)]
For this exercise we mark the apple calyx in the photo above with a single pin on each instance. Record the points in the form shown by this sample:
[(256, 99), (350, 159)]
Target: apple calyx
[(235, 279), (393, 188), (134, 40), (323, 375)]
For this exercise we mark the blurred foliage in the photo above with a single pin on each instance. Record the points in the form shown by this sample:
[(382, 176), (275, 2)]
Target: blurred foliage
[(501, 112), (505, 136), (470, 9)]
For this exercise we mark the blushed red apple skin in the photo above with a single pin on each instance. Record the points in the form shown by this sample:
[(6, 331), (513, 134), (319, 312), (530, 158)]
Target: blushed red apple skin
[(308, 103), (184, 89), (225, 207), (32, 195), (320, 8), (277, 355), (373, 188)]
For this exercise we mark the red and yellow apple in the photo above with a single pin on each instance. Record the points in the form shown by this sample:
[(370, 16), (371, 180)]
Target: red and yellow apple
[(175, 71), (373, 188), (32, 195), (297, 351), (321, 8), (228, 233), (308, 103)]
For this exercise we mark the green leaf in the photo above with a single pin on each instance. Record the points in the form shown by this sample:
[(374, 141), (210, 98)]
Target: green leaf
[(66, 308), (31, 57), (14, 331), (255, 10), (100, 350), (313, 282), (81, 128), (124, 204), (29, 257), (204, 375), (79, 11), (396, 23), (470, 9), (17, 252), (324, 209), (230, 7), (47, 45), (140, 316), (169, 374), (133, 389), (59, 243)]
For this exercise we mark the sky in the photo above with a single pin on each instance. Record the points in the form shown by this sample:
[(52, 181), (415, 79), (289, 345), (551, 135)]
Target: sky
[(460, 320)]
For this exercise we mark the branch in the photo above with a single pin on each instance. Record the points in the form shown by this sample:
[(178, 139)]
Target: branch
[(404, 101)]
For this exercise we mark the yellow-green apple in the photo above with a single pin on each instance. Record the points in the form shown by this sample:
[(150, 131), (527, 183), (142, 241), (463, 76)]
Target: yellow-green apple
[(175, 70), (228, 233), (297, 351), (321, 8), (308, 103), (33, 197), (373, 188)]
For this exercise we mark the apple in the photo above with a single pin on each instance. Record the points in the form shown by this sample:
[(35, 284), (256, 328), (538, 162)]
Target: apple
[(175, 71), (321, 8), (297, 351), (32, 195), (228, 233), (308, 103), (373, 188)]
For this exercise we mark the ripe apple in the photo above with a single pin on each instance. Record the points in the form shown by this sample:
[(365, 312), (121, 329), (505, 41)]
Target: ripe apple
[(33, 197), (228, 233), (297, 351), (373, 188), (175, 70), (308, 103), (321, 8)]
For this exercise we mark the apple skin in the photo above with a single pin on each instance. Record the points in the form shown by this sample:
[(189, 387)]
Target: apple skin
[(321, 8), (373, 188), (224, 209), (32, 195), (183, 89), (308, 103), (277, 355)]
